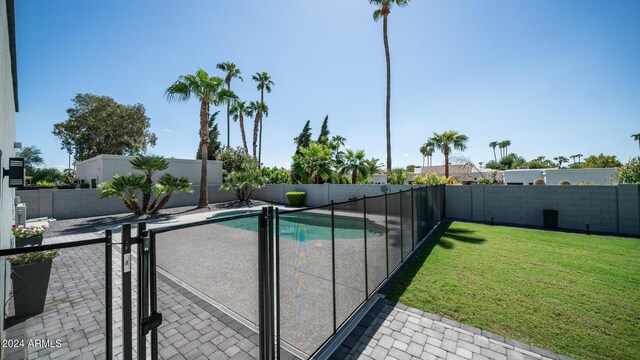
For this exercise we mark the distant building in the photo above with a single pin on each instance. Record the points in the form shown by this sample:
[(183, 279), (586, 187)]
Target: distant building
[(465, 174), (600, 176), (379, 179), (102, 168)]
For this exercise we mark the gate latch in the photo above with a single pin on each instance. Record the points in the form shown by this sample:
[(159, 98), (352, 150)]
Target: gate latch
[(151, 322)]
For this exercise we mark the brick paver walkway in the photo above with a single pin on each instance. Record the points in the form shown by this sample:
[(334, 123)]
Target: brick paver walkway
[(395, 331), (74, 315)]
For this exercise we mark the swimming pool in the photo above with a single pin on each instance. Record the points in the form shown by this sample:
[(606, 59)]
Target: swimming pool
[(311, 226)]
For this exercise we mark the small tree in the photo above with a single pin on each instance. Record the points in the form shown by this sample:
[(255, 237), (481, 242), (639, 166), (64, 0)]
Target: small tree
[(244, 182), (630, 173), (128, 186)]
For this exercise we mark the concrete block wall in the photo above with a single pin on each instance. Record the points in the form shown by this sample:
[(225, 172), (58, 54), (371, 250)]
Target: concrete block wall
[(321, 194), (607, 209), (75, 203)]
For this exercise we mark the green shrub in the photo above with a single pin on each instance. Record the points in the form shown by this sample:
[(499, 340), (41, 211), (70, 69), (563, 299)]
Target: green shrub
[(484, 181), (433, 179), (565, 182), (296, 198), (630, 173), (45, 183), (539, 181)]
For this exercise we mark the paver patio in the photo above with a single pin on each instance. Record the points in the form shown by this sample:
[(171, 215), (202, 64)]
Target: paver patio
[(75, 314), (395, 331)]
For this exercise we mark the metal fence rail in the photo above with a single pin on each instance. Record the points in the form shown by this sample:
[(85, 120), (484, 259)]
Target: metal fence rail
[(16, 321), (388, 229)]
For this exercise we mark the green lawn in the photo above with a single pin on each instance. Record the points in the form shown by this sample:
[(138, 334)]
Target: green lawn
[(574, 294)]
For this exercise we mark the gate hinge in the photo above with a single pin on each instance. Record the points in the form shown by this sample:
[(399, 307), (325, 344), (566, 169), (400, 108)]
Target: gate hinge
[(151, 322)]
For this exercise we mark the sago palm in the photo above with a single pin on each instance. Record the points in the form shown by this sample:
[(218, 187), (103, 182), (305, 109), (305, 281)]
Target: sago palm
[(208, 90), (239, 110), (382, 11), (149, 165), (355, 163), (232, 72), (264, 83), (447, 142)]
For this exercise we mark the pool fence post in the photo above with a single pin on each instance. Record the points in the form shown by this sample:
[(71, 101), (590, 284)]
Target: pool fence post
[(125, 261), (333, 264)]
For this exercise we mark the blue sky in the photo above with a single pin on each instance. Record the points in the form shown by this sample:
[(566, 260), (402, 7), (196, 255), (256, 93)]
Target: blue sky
[(554, 77)]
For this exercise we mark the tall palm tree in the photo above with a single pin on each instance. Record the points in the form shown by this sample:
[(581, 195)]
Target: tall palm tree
[(446, 142), (356, 163), (259, 109), (636, 137), (561, 160), (427, 149), (209, 90), (239, 110), (579, 156), (382, 11), (231, 71), (264, 83), (506, 144), (493, 145)]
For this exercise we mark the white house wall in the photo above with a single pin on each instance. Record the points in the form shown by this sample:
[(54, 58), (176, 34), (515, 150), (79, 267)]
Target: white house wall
[(104, 167), (593, 176), (7, 138)]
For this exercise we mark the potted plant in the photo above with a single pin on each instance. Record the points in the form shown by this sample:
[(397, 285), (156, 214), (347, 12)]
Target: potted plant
[(30, 274), (28, 235)]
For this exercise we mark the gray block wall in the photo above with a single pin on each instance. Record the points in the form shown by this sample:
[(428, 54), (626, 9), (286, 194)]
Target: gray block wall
[(607, 209), (75, 203), (321, 194)]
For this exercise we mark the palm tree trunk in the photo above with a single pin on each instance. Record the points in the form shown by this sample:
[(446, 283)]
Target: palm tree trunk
[(354, 177), (244, 136), (495, 159), (256, 122), (388, 110), (203, 202), (423, 160), (260, 145), (228, 117), (446, 163)]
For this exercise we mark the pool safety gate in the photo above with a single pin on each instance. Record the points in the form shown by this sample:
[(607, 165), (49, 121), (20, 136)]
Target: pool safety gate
[(294, 277)]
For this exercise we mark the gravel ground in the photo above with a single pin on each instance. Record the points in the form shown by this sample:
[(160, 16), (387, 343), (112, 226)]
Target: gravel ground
[(89, 224)]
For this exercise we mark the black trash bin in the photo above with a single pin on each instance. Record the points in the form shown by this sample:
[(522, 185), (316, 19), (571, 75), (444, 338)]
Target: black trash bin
[(550, 218)]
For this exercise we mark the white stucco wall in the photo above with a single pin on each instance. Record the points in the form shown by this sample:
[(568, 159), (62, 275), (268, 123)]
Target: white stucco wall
[(593, 176), (103, 167), (7, 138), (524, 177)]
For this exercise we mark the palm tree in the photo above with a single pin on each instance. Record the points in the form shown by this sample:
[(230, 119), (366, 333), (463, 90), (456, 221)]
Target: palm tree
[(149, 165), (239, 110), (427, 149), (579, 156), (374, 166), (448, 141), (356, 163), (383, 10), (209, 90), (493, 145), (506, 143), (259, 109), (313, 163), (231, 71), (264, 83), (636, 137), (561, 160)]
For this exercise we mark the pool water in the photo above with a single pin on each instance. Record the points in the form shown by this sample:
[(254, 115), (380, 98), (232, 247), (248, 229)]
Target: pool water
[(307, 225)]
